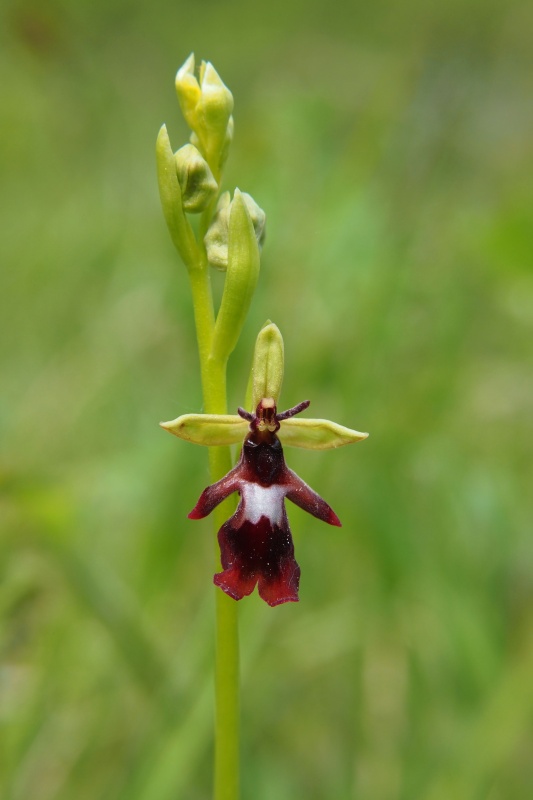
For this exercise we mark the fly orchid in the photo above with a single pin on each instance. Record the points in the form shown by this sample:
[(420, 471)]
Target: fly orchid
[(256, 543)]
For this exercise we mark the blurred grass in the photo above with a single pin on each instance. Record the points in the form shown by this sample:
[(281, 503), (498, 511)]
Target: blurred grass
[(391, 149)]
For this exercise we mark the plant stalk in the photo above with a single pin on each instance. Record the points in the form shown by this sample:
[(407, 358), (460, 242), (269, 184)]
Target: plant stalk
[(213, 373)]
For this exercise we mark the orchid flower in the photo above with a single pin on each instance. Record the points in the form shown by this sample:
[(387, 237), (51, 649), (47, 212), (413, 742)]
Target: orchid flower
[(256, 545)]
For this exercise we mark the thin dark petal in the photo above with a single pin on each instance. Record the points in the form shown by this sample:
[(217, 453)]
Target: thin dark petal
[(302, 495), (291, 412), (216, 493)]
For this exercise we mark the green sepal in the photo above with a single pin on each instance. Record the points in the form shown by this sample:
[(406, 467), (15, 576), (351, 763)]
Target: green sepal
[(241, 280), (266, 376), (171, 201), (225, 429), (208, 429), (317, 434)]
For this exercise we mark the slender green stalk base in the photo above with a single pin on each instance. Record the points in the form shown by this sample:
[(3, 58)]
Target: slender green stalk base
[(226, 773), (227, 699)]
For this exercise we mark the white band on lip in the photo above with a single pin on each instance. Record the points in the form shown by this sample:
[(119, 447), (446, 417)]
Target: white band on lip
[(262, 501)]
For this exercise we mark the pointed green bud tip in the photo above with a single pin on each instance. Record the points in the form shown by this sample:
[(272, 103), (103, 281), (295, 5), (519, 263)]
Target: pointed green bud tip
[(188, 91), (198, 186), (217, 237), (208, 429), (216, 102), (267, 366)]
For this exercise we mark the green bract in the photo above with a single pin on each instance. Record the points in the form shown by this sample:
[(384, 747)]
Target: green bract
[(241, 279), (171, 200)]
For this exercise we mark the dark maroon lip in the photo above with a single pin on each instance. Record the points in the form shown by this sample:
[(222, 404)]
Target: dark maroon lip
[(256, 543)]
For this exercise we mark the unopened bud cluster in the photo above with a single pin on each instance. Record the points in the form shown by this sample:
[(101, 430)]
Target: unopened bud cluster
[(230, 233)]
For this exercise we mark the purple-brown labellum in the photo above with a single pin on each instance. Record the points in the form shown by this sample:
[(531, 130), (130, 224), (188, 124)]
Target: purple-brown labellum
[(255, 543)]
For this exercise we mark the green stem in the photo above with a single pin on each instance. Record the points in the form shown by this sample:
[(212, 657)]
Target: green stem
[(213, 372)]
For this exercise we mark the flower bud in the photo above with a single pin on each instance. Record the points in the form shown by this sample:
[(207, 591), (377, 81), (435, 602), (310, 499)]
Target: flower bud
[(216, 238), (198, 187), (214, 107), (206, 106)]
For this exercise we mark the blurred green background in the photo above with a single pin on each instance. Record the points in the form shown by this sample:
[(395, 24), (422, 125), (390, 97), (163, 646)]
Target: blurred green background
[(391, 147)]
